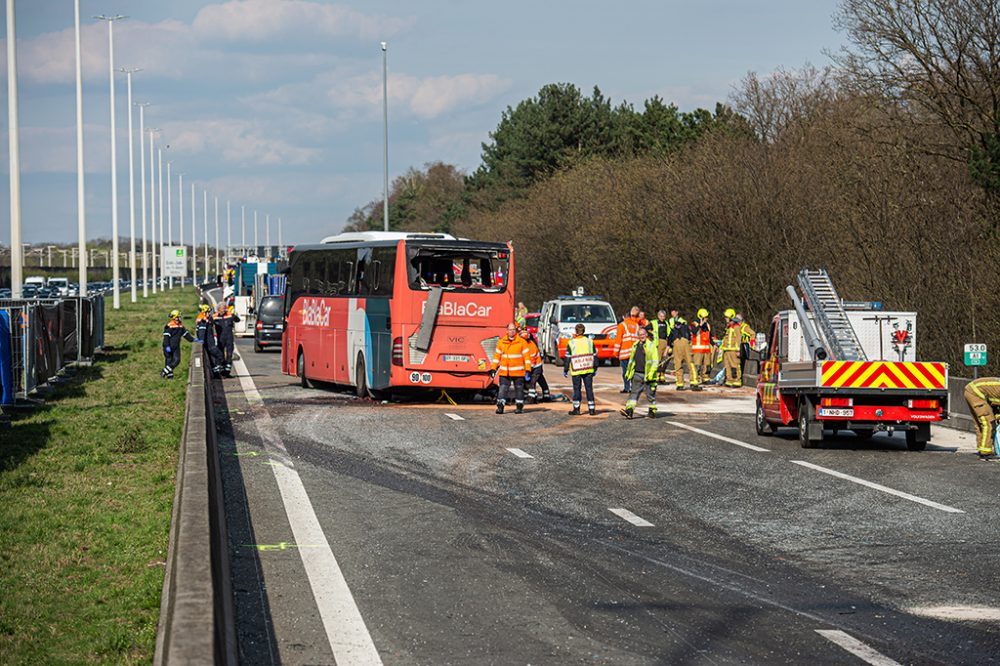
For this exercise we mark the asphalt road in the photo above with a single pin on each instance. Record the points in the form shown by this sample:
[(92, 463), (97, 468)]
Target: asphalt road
[(409, 533)]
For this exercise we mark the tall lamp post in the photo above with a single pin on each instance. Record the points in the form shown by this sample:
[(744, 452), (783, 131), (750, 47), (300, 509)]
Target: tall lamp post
[(385, 139), (142, 191), (170, 219), (204, 219), (152, 206), (159, 214), (218, 268), (131, 181), (243, 229), (81, 202), (180, 219), (116, 290), (14, 153), (194, 240)]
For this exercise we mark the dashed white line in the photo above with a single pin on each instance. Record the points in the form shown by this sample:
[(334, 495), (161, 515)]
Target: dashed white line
[(454, 417), (625, 514), (860, 650), (879, 487), (721, 438), (521, 454), (345, 628)]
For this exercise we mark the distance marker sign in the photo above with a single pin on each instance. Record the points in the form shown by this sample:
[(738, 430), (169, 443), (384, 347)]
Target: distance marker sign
[(975, 354)]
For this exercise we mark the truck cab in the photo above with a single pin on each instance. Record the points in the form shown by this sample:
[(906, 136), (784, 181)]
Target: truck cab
[(558, 320)]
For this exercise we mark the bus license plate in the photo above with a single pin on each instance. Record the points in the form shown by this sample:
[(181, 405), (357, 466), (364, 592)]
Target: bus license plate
[(451, 358), (831, 411)]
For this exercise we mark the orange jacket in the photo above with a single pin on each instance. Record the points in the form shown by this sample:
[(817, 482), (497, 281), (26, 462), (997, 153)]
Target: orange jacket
[(512, 357), (701, 340), (533, 353), (625, 337)]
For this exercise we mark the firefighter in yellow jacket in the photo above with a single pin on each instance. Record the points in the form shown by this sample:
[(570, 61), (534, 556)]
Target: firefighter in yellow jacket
[(643, 363), (983, 396), (730, 348), (512, 362)]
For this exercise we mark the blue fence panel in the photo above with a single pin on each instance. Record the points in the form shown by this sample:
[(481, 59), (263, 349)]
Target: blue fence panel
[(6, 361)]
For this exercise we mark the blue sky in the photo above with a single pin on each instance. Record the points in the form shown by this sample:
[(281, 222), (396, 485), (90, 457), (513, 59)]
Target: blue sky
[(276, 104)]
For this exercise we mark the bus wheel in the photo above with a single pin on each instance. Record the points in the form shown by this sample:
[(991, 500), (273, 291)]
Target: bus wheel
[(300, 370), (361, 378)]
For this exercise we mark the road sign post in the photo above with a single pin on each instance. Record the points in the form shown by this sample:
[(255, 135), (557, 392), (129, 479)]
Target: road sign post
[(975, 357), (174, 263)]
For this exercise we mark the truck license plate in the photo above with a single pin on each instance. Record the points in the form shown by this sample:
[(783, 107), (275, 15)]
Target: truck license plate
[(831, 411), (452, 358)]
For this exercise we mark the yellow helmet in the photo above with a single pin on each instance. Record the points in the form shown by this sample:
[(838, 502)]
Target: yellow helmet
[(702, 313), (175, 314), (730, 313), (204, 307)]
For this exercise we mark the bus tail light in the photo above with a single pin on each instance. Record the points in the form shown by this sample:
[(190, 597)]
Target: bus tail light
[(837, 402), (922, 404), (397, 351)]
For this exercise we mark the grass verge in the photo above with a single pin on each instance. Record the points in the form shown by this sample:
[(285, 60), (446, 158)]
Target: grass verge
[(86, 487)]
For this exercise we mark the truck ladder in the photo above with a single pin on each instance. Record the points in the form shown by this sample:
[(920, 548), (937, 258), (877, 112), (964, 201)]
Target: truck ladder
[(828, 310)]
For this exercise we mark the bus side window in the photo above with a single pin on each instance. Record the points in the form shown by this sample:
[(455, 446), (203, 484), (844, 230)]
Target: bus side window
[(383, 270), (363, 282)]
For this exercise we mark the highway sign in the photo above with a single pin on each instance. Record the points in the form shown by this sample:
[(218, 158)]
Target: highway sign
[(975, 354), (174, 261)]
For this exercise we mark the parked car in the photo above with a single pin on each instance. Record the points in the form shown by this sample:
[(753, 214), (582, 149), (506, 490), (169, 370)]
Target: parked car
[(531, 322), (270, 323)]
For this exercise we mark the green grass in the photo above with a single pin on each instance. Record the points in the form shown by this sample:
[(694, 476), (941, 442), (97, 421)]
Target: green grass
[(86, 487)]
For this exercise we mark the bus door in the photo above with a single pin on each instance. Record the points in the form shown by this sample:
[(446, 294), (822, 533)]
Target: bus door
[(374, 282)]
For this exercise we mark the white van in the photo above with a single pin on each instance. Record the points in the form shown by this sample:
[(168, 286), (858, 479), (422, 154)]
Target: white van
[(558, 320)]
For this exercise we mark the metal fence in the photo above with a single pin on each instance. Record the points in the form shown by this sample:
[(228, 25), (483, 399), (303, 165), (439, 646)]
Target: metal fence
[(48, 334)]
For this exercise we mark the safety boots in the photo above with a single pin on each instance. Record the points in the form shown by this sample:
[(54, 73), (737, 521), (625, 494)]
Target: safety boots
[(575, 411), (499, 408), (520, 408), (627, 412)]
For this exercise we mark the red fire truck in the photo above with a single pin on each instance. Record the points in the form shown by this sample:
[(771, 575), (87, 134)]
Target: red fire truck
[(835, 365)]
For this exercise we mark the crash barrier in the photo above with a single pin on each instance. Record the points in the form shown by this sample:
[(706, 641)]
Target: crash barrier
[(45, 336), (197, 620)]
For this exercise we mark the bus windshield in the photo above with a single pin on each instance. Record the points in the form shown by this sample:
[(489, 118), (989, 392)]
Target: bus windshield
[(587, 313), (456, 268)]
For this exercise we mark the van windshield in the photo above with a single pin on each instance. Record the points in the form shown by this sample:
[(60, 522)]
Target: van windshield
[(587, 313), (458, 268)]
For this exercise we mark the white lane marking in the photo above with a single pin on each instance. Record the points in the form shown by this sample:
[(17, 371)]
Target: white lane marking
[(876, 486), (454, 417), (520, 454), (721, 438), (959, 613), (863, 652), (345, 628), (625, 514)]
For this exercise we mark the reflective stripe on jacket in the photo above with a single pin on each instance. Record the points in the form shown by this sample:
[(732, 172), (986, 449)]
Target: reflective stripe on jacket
[(512, 357), (731, 340), (987, 388), (580, 346), (701, 340)]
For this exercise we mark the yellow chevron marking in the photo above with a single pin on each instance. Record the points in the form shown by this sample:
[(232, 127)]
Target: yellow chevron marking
[(903, 380)]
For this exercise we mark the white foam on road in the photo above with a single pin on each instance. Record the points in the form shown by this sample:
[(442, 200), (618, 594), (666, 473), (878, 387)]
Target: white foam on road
[(721, 438), (879, 487), (860, 650), (345, 628), (625, 514), (454, 417), (521, 454), (959, 613)]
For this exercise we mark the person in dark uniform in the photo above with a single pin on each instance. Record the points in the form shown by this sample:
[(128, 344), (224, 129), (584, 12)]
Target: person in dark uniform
[(225, 322), (172, 334)]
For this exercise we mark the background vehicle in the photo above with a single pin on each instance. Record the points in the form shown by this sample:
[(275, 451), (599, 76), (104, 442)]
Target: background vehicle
[(390, 311), (270, 323), (847, 366), (61, 284), (558, 321), (531, 321)]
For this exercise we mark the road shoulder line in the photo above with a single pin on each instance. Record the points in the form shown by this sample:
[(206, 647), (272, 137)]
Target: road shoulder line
[(860, 650), (721, 438)]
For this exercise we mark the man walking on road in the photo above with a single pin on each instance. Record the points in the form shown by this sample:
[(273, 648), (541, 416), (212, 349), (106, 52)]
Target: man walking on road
[(645, 360), (225, 324), (983, 396), (512, 361), (581, 363), (625, 337)]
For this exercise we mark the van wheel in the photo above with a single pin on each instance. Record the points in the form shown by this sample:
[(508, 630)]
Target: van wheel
[(361, 378), (300, 370), (805, 423), (764, 427)]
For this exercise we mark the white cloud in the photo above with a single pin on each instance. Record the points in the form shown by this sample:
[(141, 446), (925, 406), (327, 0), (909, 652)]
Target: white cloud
[(237, 142), (262, 20)]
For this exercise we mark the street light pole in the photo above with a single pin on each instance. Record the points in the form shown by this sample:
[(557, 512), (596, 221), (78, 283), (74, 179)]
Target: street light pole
[(194, 240), (180, 221), (255, 244), (152, 207), (204, 219), (142, 189), (229, 232), (14, 153), (243, 229), (218, 270), (385, 139), (170, 219), (81, 203), (115, 291), (159, 214), (131, 181), (267, 233), (280, 244)]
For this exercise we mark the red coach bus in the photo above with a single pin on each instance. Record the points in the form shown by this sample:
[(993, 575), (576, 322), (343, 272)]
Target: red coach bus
[(391, 311)]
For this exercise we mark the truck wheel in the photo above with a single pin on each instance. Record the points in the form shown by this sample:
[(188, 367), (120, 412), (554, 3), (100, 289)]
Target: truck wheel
[(916, 440), (806, 440), (764, 427)]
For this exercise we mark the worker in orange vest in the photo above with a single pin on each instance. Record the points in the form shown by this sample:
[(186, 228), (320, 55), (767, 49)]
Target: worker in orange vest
[(701, 346), (535, 378), (625, 337), (512, 362)]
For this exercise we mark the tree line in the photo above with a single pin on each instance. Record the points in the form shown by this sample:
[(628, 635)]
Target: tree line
[(883, 168)]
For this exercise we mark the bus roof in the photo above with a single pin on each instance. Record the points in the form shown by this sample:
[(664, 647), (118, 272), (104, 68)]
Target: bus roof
[(420, 240), (368, 236)]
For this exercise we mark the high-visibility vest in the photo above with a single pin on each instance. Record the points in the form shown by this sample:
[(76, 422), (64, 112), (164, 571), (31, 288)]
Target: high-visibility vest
[(746, 333), (512, 357), (652, 362), (731, 340), (625, 337), (580, 355), (701, 340)]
